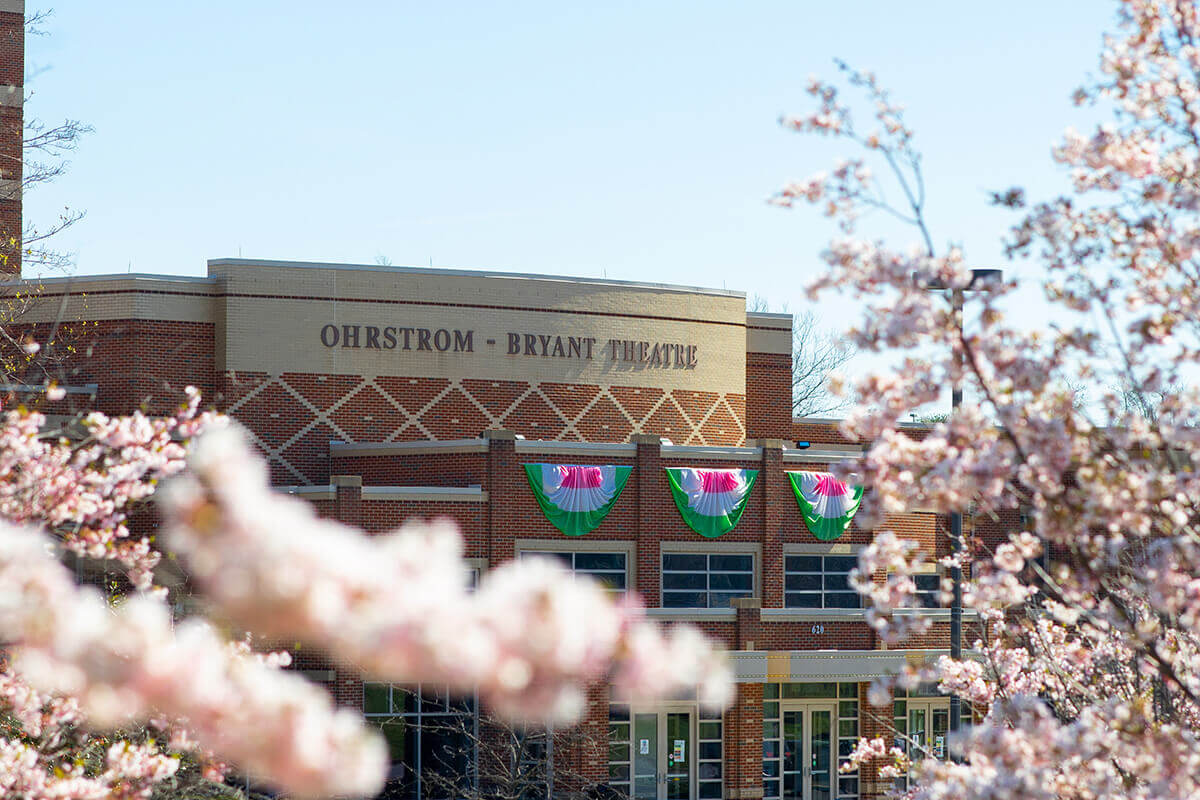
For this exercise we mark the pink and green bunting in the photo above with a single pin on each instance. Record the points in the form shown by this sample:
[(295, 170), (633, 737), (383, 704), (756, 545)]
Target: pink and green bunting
[(574, 497), (711, 501), (827, 503)]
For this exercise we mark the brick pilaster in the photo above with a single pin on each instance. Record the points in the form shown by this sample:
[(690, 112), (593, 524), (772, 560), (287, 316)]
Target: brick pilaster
[(749, 620), (651, 488), (743, 744), (347, 686), (768, 395), (872, 722), (777, 501), (589, 762), (347, 505), (500, 482)]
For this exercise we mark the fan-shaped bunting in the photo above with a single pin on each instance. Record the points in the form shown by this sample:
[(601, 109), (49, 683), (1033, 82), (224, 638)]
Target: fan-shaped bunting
[(574, 497), (711, 501), (827, 503)]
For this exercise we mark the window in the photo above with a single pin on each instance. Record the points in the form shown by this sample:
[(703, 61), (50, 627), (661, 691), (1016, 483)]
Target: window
[(606, 567), (431, 740), (819, 582), (706, 580), (929, 589)]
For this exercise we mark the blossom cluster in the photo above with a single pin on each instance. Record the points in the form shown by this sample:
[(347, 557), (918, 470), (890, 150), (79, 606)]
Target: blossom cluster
[(529, 639), (1085, 680), (126, 664), (81, 484)]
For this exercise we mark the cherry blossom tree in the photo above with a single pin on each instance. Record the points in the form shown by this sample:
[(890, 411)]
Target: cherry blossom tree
[(1087, 679), (83, 664)]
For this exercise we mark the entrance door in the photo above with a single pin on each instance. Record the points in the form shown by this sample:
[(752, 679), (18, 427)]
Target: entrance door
[(664, 755), (922, 732), (808, 759), (928, 723)]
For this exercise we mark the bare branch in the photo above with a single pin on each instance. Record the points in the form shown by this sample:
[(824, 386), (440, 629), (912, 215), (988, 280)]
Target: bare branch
[(816, 354)]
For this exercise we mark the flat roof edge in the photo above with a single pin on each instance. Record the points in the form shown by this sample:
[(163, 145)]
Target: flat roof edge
[(472, 273), (773, 316), (115, 276)]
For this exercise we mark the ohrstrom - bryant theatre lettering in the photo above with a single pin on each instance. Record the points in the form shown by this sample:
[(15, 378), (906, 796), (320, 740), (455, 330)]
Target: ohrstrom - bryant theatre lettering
[(667, 355)]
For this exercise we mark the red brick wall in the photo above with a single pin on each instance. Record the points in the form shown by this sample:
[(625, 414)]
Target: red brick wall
[(827, 432), (646, 516), (12, 123), (452, 469), (768, 396), (743, 743), (136, 364)]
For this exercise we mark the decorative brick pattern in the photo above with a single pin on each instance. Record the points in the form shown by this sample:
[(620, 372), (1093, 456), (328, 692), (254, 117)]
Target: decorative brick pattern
[(294, 416)]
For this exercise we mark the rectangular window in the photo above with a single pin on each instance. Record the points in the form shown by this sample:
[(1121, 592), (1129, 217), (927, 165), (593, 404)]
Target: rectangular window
[(812, 581), (431, 739), (929, 587), (709, 755), (609, 568), (706, 580)]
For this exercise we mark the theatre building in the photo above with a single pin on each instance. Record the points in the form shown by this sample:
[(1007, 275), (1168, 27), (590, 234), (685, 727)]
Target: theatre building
[(640, 433)]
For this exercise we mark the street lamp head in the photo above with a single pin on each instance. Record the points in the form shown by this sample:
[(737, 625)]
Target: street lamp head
[(982, 280)]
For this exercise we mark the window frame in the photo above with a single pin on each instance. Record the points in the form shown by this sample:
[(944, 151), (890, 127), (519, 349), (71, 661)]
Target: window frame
[(708, 549), (626, 547), (925, 571), (413, 721), (835, 548), (476, 568)]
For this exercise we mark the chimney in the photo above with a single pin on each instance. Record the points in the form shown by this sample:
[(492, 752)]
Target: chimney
[(12, 129)]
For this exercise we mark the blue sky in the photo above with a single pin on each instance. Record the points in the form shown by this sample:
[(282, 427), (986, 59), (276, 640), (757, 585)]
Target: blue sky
[(632, 140)]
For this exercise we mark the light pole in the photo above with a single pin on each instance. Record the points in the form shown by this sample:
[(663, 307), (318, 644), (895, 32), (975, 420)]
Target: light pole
[(981, 280)]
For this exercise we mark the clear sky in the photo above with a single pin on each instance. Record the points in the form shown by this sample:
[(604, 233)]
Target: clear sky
[(632, 140)]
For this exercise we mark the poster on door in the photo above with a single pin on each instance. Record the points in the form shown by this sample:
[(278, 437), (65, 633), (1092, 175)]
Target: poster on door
[(679, 753), (644, 747)]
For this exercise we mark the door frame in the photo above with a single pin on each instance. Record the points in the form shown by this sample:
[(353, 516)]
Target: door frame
[(661, 710), (927, 706), (807, 706)]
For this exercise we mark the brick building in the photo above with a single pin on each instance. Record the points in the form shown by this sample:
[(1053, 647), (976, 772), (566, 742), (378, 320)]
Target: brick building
[(381, 393)]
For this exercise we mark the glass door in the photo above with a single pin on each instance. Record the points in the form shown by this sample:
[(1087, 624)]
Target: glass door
[(645, 757), (940, 719), (679, 755), (922, 729), (928, 724), (793, 755), (808, 763), (917, 714), (820, 754), (664, 755)]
